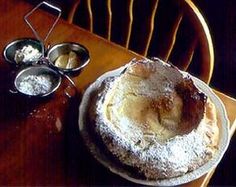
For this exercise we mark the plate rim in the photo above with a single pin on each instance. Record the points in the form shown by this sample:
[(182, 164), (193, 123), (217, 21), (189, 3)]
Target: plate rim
[(188, 177)]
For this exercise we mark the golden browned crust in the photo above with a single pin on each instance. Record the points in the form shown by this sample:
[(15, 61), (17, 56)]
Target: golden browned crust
[(138, 116)]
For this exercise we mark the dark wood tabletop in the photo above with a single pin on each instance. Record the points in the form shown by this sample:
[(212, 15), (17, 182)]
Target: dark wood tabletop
[(39, 138)]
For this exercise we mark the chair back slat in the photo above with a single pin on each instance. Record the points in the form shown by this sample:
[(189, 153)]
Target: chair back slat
[(109, 20), (122, 20), (151, 26), (130, 21), (172, 30), (72, 12), (184, 60), (100, 14), (90, 14), (165, 32), (204, 40), (81, 14), (184, 47), (172, 37), (143, 12)]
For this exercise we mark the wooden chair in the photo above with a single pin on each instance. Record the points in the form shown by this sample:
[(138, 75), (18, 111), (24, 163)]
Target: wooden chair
[(173, 30)]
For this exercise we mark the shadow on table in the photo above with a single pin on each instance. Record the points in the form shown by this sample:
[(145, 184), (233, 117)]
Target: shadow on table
[(42, 152), (14, 106), (82, 168)]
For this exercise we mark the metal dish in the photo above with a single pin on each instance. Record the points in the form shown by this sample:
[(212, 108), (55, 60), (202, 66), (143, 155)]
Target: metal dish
[(65, 48), (10, 50), (52, 76)]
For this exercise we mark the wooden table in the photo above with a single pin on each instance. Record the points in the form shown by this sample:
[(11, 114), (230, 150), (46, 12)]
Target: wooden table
[(39, 140)]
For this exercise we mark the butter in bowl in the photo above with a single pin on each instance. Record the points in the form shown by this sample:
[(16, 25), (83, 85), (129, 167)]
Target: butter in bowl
[(68, 61), (68, 58)]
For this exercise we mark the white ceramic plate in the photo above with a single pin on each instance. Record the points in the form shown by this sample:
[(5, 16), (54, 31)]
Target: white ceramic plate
[(223, 124)]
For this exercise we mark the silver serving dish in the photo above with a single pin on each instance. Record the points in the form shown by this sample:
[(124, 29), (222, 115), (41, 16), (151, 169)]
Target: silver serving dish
[(53, 76), (65, 48), (10, 50), (44, 63)]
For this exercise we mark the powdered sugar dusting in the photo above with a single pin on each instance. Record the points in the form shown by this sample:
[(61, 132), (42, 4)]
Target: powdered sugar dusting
[(154, 158), (35, 84)]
